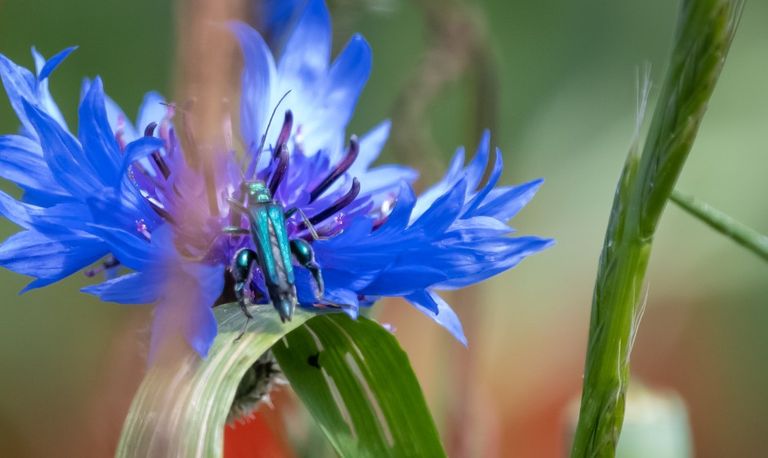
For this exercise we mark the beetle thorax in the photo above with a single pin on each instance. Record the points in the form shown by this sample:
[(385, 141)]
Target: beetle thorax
[(258, 192)]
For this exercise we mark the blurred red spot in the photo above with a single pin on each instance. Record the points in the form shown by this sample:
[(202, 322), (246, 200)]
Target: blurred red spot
[(260, 436)]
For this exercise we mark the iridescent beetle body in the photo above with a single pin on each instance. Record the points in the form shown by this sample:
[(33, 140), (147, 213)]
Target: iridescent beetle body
[(272, 256)]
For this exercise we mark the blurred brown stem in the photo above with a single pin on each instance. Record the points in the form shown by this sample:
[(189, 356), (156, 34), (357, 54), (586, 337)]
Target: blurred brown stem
[(206, 72), (457, 45), (205, 77)]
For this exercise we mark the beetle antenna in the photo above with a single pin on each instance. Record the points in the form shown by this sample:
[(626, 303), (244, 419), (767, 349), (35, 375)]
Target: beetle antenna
[(257, 154)]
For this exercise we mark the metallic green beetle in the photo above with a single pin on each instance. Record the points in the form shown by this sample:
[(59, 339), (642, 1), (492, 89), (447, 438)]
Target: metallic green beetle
[(268, 231)]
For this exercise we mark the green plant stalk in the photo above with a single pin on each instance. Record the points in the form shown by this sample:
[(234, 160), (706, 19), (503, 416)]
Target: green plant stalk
[(724, 224), (705, 31), (180, 410)]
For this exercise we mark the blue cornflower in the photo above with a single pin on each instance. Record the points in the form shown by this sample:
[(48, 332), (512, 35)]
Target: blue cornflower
[(64, 177), (130, 193)]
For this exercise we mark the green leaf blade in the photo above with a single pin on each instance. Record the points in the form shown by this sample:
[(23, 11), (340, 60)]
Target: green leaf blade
[(739, 232), (181, 410), (364, 394)]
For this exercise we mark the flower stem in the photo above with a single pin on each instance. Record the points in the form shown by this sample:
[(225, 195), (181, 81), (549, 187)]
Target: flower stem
[(724, 224), (705, 31)]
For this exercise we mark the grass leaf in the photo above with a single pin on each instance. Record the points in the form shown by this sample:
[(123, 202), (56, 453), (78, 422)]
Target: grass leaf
[(358, 384), (181, 410)]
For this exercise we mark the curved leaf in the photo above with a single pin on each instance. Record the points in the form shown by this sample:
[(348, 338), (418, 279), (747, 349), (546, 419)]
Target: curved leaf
[(181, 411), (358, 384)]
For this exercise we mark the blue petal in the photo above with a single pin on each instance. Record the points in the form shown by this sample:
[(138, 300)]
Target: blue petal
[(22, 161), (476, 168), (401, 213), (403, 279), (435, 307), (443, 211), (54, 62), (138, 150), (118, 120), (203, 328), (133, 288), (308, 50), (152, 109), (35, 254), (477, 227), (483, 260), (132, 251), (58, 218), (44, 70), (385, 178), (258, 77), (96, 135), (63, 154), (444, 185), (504, 203), (185, 315), (343, 85), (371, 145), (275, 17), (478, 198), (19, 84)]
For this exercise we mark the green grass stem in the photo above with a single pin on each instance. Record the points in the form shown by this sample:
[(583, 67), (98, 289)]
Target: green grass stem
[(724, 224), (704, 34)]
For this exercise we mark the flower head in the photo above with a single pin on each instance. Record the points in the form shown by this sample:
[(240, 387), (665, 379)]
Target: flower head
[(356, 233)]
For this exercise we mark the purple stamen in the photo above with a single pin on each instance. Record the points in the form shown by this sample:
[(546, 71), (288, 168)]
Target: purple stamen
[(281, 153), (282, 138), (342, 202), (282, 166), (156, 157), (150, 129), (108, 263), (162, 212), (285, 131), (344, 165)]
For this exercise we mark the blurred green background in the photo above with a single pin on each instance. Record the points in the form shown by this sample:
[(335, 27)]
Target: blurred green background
[(566, 84)]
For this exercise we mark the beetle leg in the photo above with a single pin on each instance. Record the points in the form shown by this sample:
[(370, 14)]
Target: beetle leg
[(234, 230), (237, 205), (241, 271), (303, 253)]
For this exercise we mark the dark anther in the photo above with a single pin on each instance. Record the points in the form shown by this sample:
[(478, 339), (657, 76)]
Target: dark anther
[(282, 166), (156, 157), (344, 165), (251, 170), (281, 153), (285, 131), (163, 213), (150, 129), (110, 262), (342, 202)]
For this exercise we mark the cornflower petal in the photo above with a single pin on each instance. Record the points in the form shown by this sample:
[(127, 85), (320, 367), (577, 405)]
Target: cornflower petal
[(306, 54), (437, 309)]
